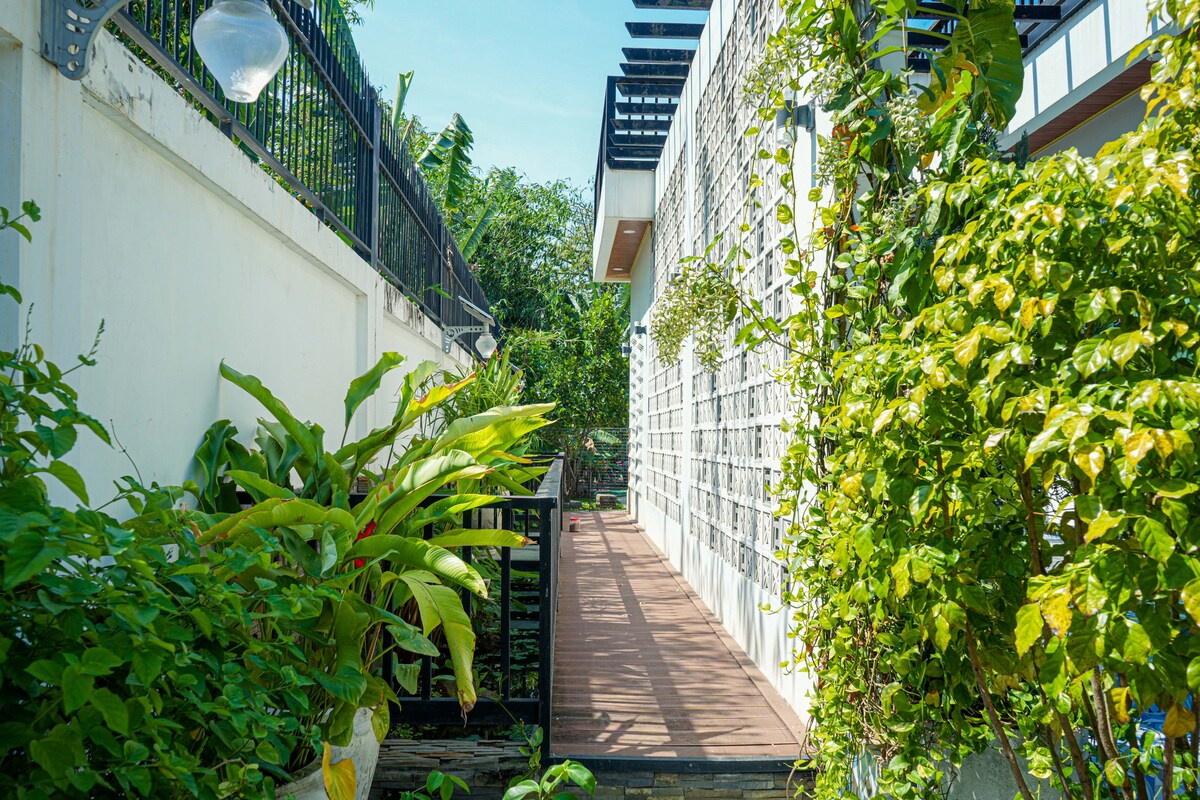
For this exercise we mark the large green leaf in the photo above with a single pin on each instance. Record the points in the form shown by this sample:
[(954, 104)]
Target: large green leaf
[(413, 483), (420, 554), (451, 150), (416, 407), (356, 456), (403, 84), (210, 456), (259, 487), (495, 429), (297, 430), (280, 451), (368, 383), (440, 605), (478, 228), (986, 39), (479, 537), (276, 513), (449, 507)]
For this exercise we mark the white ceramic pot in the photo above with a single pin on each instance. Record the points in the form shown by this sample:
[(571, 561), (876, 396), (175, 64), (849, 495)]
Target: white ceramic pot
[(363, 748)]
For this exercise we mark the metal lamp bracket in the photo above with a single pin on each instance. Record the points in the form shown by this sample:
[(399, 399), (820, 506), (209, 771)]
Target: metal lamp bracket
[(68, 30), (449, 335)]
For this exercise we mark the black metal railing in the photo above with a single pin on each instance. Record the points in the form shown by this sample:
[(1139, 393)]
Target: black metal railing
[(322, 131), (514, 654)]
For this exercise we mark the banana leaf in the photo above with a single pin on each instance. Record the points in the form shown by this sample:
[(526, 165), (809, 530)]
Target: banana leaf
[(479, 537), (441, 605), (419, 554)]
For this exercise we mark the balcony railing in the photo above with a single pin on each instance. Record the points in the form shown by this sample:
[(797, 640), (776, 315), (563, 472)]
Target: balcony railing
[(322, 131)]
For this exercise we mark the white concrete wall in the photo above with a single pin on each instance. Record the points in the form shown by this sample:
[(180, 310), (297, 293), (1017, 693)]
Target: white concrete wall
[(159, 227)]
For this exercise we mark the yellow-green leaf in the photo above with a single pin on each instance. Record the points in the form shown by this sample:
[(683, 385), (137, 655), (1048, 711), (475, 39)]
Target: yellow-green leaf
[(340, 781), (1056, 611), (1191, 600), (1102, 525), (1090, 461), (967, 348), (1029, 627), (1180, 721)]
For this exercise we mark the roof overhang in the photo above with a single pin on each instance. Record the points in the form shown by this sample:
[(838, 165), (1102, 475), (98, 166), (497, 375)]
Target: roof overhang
[(624, 213)]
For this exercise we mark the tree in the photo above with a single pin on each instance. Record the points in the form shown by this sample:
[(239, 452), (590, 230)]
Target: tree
[(530, 246), (563, 330)]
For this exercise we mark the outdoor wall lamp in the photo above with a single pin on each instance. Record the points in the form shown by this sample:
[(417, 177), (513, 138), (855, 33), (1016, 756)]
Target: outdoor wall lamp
[(791, 118), (240, 41), (485, 344)]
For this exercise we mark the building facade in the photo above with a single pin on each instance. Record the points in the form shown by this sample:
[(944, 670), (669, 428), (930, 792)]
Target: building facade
[(706, 446)]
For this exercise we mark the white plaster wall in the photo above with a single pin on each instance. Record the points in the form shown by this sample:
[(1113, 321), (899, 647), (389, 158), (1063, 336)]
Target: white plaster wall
[(159, 227), (1090, 48)]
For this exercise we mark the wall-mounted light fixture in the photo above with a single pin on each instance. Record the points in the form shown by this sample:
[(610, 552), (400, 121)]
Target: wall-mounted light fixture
[(639, 330), (240, 41), (485, 344), (791, 118)]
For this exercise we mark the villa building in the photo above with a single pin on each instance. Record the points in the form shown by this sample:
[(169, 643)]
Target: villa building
[(673, 173)]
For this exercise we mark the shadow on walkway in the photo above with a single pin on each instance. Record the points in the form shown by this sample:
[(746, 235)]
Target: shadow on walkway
[(643, 668)]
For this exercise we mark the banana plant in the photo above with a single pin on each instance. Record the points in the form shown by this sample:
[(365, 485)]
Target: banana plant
[(450, 150), (375, 547)]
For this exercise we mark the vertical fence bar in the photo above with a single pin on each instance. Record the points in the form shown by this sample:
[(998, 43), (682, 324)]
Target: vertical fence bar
[(547, 597), (375, 177), (506, 522)]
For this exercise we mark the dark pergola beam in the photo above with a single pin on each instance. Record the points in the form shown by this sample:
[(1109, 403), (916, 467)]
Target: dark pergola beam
[(648, 109), (629, 140), (664, 30), (650, 87), (615, 163), (916, 38), (1034, 13), (658, 55), (655, 70), (641, 124), (675, 5), (634, 152)]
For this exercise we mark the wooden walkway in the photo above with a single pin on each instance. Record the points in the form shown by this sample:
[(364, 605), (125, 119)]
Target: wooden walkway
[(641, 666)]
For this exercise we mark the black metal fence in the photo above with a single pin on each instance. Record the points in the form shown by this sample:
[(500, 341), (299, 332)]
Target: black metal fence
[(514, 654), (323, 132), (603, 462)]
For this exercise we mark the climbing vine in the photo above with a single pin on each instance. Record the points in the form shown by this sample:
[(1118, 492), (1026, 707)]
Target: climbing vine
[(993, 488)]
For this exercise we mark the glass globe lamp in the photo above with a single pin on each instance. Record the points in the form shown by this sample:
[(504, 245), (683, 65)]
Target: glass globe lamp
[(242, 45), (486, 345)]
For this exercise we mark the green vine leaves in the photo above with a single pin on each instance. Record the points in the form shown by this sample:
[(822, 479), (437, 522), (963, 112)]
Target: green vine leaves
[(994, 491)]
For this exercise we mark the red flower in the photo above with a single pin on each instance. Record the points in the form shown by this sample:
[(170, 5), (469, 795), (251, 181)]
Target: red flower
[(359, 563)]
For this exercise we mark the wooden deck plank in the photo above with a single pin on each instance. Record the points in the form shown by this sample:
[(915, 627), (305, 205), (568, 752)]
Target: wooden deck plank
[(642, 667)]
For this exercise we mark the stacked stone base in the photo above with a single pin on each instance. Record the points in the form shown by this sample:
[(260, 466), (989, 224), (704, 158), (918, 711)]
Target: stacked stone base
[(488, 766)]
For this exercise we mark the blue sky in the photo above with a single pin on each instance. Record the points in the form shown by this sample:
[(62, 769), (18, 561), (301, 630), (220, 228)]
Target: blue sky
[(527, 75)]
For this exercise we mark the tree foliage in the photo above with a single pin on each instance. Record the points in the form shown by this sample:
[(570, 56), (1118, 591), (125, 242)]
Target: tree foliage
[(993, 499)]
